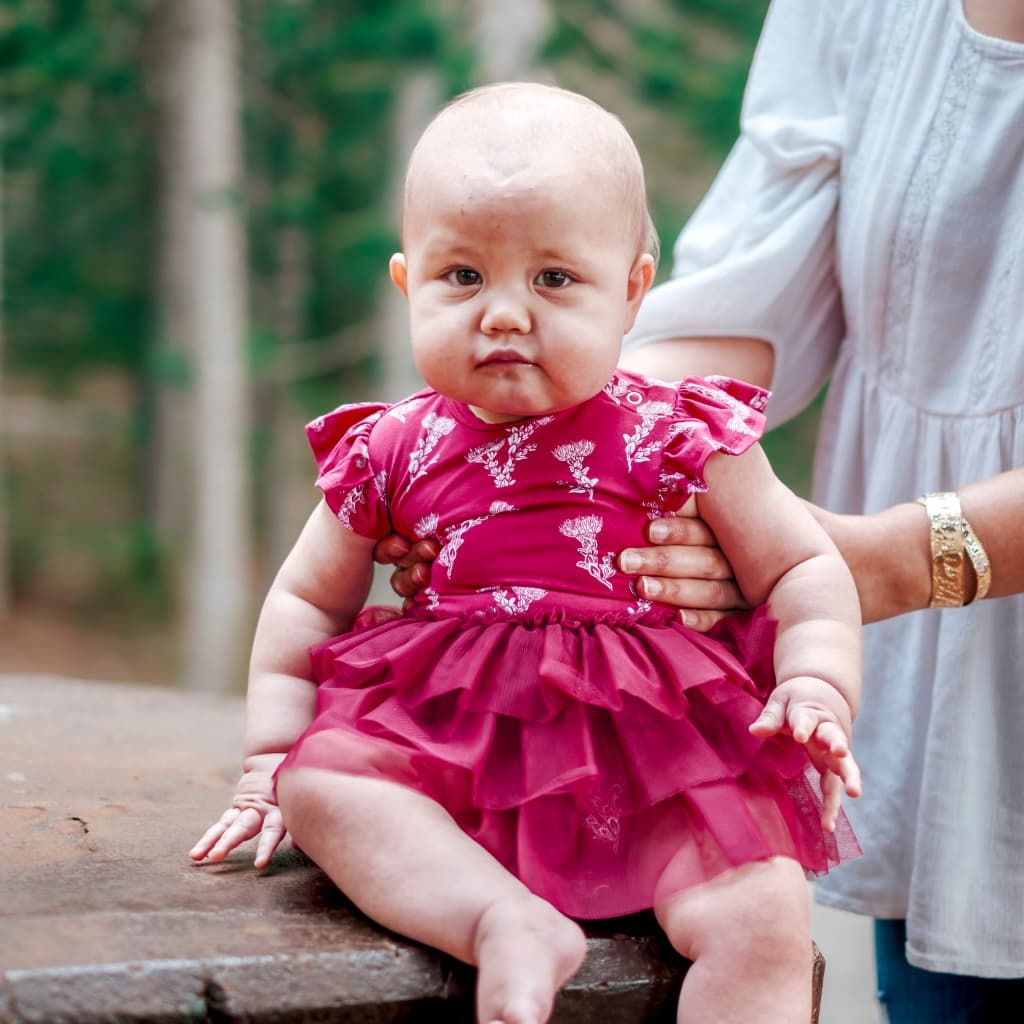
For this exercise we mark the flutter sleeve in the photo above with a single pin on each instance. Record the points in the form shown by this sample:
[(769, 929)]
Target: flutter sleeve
[(757, 258), (712, 414), (354, 486)]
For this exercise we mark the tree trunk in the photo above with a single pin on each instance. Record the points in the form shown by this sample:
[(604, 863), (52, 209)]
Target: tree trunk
[(509, 39), (287, 492), (5, 568), (417, 102), (214, 310), (168, 402)]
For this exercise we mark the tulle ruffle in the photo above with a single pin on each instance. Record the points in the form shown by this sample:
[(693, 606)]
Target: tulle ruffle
[(606, 766)]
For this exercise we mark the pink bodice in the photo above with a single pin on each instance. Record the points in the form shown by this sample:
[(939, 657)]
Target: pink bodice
[(531, 515)]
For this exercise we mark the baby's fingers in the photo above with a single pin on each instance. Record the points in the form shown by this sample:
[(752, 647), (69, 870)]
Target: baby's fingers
[(245, 826), (832, 794), (772, 718), (835, 755), (272, 833), (209, 838)]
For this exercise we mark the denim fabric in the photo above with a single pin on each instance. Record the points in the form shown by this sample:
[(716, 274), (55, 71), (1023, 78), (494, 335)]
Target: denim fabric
[(910, 995)]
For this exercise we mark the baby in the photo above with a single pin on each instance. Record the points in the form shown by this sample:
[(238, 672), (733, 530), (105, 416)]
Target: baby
[(531, 743)]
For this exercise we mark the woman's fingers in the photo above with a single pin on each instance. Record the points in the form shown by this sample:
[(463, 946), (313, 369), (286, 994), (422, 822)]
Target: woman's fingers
[(391, 549), (683, 567), (412, 572), (686, 529)]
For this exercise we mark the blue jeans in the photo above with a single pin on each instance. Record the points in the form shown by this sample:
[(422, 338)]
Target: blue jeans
[(910, 995)]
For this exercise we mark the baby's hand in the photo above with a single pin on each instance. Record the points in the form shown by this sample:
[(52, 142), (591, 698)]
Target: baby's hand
[(253, 811), (815, 714)]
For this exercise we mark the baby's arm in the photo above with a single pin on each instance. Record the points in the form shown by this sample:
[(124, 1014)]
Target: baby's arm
[(317, 593), (781, 555)]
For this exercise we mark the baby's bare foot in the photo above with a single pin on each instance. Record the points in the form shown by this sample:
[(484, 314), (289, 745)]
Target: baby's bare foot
[(525, 952)]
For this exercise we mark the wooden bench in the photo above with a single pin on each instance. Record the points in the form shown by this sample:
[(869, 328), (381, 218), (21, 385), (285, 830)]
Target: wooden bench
[(103, 919)]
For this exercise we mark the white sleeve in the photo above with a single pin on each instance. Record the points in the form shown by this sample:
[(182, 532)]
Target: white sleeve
[(757, 259)]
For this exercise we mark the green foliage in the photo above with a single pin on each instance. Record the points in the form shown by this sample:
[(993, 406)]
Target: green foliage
[(78, 172), (321, 80), (685, 59)]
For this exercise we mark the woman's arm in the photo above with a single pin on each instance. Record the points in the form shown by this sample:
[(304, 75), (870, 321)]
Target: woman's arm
[(749, 359), (889, 554)]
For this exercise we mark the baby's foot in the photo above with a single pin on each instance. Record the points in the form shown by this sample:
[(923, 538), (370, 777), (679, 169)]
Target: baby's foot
[(525, 952)]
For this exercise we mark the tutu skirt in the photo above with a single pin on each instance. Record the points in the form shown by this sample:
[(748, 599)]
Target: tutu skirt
[(606, 765)]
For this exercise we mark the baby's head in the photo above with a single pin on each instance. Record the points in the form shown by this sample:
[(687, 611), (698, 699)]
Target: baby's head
[(527, 248)]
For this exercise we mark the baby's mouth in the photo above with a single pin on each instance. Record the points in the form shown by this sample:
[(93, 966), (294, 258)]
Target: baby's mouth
[(505, 357)]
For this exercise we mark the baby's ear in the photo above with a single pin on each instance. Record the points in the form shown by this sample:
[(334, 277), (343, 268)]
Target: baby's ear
[(397, 270), (641, 274)]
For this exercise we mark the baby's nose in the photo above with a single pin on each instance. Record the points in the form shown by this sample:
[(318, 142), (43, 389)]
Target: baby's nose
[(504, 313)]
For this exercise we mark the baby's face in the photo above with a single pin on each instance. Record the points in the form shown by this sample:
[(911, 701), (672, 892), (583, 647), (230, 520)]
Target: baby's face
[(521, 285)]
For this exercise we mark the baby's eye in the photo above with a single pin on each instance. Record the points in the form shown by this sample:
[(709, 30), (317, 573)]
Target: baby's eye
[(554, 279), (463, 277)]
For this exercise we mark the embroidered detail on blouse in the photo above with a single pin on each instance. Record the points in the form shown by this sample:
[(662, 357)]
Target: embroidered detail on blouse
[(909, 236), (515, 439), (585, 530), (436, 427), (573, 455), (454, 535), (636, 450)]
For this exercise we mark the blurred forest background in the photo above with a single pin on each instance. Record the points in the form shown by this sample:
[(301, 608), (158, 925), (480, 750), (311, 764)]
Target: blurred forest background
[(198, 199)]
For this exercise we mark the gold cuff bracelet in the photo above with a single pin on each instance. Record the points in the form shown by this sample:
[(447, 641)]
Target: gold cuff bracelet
[(951, 539)]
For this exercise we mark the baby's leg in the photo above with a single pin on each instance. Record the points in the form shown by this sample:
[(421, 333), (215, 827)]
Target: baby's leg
[(401, 859), (748, 933)]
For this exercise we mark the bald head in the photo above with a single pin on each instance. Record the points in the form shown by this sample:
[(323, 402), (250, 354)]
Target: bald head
[(516, 136)]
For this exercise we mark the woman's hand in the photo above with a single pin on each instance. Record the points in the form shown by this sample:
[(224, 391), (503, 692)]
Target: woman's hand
[(684, 567), (253, 812), (411, 561)]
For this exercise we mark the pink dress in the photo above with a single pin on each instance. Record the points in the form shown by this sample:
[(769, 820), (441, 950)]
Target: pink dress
[(592, 743)]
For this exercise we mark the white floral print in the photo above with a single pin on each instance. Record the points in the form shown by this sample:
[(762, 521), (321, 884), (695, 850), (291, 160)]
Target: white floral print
[(380, 481), (403, 409), (454, 535), (515, 439), (436, 427), (615, 389), (758, 400), (573, 455), (605, 818), (740, 411), (426, 526), (516, 600), (585, 530), (636, 450), (354, 498)]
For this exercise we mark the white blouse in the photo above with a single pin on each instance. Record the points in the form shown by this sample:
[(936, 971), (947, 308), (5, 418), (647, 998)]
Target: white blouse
[(869, 223)]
